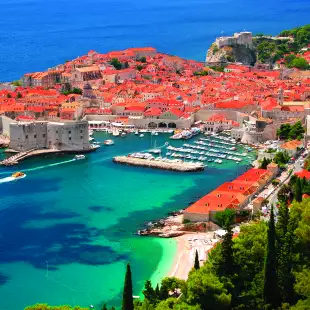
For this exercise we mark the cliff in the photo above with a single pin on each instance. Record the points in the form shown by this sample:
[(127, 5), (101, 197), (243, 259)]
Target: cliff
[(234, 53)]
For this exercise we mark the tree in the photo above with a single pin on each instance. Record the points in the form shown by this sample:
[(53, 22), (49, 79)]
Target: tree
[(226, 217), (116, 64), (139, 67), (225, 264), (127, 293), (19, 95), (104, 307), (9, 95), (205, 289), (270, 288), (265, 162), (17, 83), (299, 63), (149, 292), (196, 265), (298, 191), (285, 193), (142, 59)]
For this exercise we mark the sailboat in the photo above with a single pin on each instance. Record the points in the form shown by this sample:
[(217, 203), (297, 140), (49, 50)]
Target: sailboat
[(155, 150)]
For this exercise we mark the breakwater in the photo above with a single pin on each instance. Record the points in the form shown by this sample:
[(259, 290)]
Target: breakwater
[(173, 166)]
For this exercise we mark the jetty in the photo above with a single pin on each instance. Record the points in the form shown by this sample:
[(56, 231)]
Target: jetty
[(164, 165)]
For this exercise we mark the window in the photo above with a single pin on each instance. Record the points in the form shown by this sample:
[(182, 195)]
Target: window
[(26, 136), (81, 131), (69, 131), (44, 135), (69, 138), (81, 137), (35, 136)]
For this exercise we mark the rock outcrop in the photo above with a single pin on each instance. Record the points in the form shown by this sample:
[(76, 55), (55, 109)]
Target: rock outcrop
[(227, 54)]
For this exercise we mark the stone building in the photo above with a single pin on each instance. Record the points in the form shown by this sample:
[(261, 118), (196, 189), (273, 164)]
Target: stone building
[(49, 135), (239, 38)]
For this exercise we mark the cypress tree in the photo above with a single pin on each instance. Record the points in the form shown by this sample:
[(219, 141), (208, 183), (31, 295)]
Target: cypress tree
[(104, 307), (127, 294), (196, 265), (157, 292), (225, 264), (270, 289), (148, 291), (298, 191), (282, 224)]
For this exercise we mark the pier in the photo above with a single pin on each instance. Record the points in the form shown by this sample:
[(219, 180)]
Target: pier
[(173, 166)]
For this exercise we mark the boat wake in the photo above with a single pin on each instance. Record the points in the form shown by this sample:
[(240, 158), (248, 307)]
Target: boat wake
[(40, 167), (8, 179)]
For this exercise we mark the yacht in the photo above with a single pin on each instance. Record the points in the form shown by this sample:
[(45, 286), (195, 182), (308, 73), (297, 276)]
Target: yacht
[(123, 134), (142, 135), (78, 157), (108, 142)]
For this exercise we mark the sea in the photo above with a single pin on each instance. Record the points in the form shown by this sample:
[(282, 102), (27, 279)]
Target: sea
[(37, 34), (68, 229)]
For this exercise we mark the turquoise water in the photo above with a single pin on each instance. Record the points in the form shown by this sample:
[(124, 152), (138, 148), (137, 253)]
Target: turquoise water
[(67, 229)]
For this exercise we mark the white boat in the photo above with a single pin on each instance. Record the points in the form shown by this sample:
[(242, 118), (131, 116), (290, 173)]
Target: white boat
[(115, 133), (91, 139), (123, 134), (108, 142), (95, 146), (78, 157), (136, 132), (142, 135)]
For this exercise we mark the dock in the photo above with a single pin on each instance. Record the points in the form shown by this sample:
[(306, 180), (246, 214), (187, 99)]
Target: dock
[(173, 166)]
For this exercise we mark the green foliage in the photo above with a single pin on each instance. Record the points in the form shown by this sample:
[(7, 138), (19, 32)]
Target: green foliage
[(9, 95), (201, 73), (265, 162), (299, 63), (218, 68), (19, 95), (301, 35), (139, 67), (17, 83), (270, 289), (226, 217), (205, 289), (67, 90), (142, 59), (127, 303), (286, 131), (196, 264), (281, 158), (186, 221), (116, 64), (298, 191), (175, 304)]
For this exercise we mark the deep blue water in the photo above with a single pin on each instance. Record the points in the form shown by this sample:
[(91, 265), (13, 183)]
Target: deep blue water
[(38, 34)]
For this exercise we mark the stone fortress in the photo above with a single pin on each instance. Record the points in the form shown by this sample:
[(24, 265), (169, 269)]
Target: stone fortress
[(239, 38)]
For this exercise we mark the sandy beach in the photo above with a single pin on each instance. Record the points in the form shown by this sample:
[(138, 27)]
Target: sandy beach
[(185, 254)]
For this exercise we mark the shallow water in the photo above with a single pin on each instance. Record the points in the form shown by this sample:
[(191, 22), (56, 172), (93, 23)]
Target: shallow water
[(68, 229)]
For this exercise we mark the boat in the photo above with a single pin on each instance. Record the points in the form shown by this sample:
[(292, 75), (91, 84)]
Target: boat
[(123, 134), (78, 157), (115, 133), (136, 132), (142, 135), (108, 142), (18, 175)]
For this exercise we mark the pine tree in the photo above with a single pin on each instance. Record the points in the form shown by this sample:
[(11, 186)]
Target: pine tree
[(270, 289), (282, 223), (298, 191), (196, 264), (127, 294)]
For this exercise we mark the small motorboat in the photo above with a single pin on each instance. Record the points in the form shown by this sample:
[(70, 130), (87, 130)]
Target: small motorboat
[(78, 157), (123, 134), (136, 132), (108, 142), (142, 135), (18, 175)]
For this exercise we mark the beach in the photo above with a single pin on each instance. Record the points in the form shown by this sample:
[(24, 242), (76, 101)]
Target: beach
[(184, 259)]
